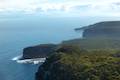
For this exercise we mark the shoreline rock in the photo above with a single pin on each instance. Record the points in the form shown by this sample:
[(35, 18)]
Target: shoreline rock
[(39, 51)]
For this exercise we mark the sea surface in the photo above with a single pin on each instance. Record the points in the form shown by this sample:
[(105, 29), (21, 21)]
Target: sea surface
[(18, 33)]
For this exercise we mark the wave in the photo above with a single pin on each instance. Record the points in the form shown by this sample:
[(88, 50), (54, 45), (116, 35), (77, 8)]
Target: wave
[(16, 58), (33, 61), (30, 61)]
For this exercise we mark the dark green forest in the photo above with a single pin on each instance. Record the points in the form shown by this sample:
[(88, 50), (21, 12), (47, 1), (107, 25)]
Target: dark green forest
[(72, 63)]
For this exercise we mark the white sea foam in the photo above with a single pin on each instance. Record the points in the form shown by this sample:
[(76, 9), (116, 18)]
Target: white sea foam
[(16, 58), (31, 61)]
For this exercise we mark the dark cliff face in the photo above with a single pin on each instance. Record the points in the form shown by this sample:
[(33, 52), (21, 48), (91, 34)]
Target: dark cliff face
[(39, 51), (108, 29), (80, 65)]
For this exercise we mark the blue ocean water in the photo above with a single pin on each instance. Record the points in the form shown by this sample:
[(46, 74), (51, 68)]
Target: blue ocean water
[(17, 34)]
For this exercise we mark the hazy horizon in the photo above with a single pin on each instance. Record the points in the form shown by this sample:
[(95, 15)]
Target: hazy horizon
[(35, 9)]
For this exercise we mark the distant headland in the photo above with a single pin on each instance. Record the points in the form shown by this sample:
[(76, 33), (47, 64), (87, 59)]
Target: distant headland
[(106, 29)]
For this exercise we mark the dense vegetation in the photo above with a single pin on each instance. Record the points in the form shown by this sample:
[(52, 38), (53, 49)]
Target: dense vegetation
[(73, 63), (95, 43)]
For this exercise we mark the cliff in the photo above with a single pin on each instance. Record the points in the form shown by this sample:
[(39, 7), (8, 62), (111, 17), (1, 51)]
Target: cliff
[(107, 29), (39, 51), (45, 50), (71, 63)]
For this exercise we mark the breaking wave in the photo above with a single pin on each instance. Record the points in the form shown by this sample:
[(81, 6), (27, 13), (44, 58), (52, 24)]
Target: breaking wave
[(16, 58), (30, 61)]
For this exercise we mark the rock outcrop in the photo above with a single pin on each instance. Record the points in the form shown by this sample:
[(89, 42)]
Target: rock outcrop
[(39, 51)]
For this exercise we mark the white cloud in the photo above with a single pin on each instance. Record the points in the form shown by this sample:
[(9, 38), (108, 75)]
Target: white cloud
[(68, 7)]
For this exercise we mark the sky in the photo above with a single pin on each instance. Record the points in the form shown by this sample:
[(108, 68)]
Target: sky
[(60, 7)]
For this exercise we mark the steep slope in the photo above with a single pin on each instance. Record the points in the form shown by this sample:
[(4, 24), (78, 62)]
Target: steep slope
[(71, 63), (109, 29), (39, 51)]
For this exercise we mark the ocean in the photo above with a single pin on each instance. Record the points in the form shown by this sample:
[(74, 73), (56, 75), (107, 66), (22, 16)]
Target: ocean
[(16, 34)]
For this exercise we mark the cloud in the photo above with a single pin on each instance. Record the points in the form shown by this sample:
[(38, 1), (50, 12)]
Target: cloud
[(66, 7)]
